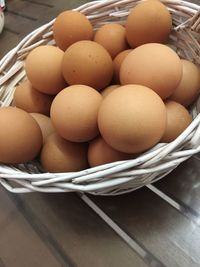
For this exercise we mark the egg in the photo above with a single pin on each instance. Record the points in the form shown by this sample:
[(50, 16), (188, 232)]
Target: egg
[(87, 63), (189, 87), (31, 100), (20, 136), (99, 153), (109, 89), (44, 123), (178, 119), (148, 22), (112, 36), (71, 26), (118, 62), (60, 155), (132, 118), (153, 65), (43, 67), (74, 113)]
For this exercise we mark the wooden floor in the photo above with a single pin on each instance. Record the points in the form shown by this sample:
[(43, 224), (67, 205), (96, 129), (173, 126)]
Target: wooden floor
[(54, 230)]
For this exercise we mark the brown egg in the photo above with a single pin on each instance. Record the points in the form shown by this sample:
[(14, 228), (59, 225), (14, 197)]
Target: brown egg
[(112, 36), (99, 153), (60, 155), (20, 136), (70, 27), (109, 89), (43, 68), (132, 118), (88, 63), (178, 119), (44, 123), (153, 65), (74, 113), (31, 100), (118, 62), (189, 86), (148, 22)]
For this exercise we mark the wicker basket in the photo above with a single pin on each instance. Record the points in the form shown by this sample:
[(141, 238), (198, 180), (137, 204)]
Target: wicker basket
[(118, 177)]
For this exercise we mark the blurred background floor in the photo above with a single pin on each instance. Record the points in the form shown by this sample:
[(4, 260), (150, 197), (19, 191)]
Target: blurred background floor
[(61, 230)]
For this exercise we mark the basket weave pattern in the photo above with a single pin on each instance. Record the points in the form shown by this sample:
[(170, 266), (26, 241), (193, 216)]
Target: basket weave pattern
[(118, 177)]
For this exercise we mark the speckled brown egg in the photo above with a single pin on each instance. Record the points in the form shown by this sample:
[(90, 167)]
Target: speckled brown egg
[(99, 153), (88, 63), (118, 62), (149, 22), (43, 67), (31, 100), (45, 125), (71, 26), (178, 119), (20, 136), (112, 36), (60, 155), (132, 118), (154, 65), (109, 89), (189, 87), (74, 113)]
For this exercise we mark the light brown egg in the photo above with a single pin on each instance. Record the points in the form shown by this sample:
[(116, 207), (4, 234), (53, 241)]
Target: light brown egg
[(148, 22), (132, 118), (20, 136), (31, 100), (178, 119), (153, 65), (44, 123), (43, 67), (60, 155), (99, 153), (109, 89), (70, 27), (112, 36), (74, 113), (88, 63), (189, 87), (118, 62)]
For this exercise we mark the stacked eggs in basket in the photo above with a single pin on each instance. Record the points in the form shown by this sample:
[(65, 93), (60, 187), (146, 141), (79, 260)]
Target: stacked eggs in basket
[(99, 96)]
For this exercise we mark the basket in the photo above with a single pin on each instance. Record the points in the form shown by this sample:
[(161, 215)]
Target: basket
[(122, 176)]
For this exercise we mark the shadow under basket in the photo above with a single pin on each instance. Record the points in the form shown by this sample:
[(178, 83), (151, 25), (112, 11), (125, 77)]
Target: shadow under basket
[(118, 177)]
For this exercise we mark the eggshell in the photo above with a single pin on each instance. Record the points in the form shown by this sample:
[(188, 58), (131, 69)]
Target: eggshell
[(44, 123), (99, 153), (31, 100), (118, 62), (148, 22), (74, 113), (153, 65), (70, 27), (109, 89), (43, 68), (20, 136), (178, 119), (60, 155), (132, 118), (189, 87), (112, 36), (87, 63)]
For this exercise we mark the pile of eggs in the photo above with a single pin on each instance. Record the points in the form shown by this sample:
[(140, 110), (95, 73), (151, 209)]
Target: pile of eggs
[(99, 96)]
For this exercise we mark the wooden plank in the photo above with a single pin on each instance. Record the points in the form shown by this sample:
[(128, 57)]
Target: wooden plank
[(19, 243), (183, 185), (167, 234), (8, 40), (79, 231)]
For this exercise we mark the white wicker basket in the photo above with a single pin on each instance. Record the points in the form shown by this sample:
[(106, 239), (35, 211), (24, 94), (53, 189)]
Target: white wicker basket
[(118, 177)]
